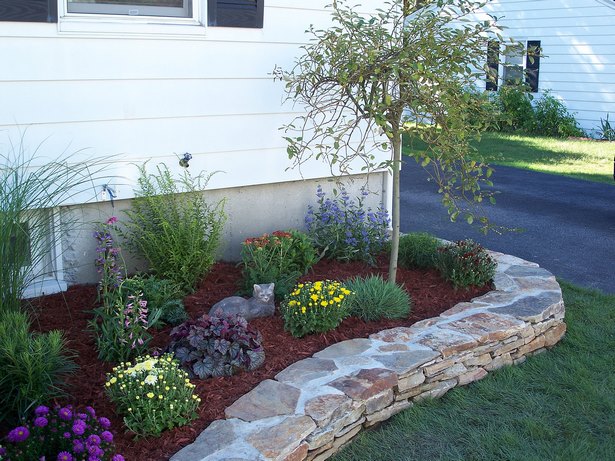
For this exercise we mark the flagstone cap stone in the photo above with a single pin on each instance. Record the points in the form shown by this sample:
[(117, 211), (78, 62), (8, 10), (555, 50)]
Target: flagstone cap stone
[(318, 404)]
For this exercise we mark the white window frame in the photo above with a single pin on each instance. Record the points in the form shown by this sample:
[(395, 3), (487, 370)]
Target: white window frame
[(131, 9), (50, 268), (129, 26)]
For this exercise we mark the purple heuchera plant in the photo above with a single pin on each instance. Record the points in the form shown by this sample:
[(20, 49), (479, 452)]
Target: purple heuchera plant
[(61, 434), (218, 345)]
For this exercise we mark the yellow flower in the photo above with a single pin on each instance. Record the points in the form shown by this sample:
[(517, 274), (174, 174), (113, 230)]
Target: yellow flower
[(150, 395), (314, 297), (300, 285), (323, 303), (113, 380), (194, 396), (330, 301), (160, 397), (303, 310), (337, 300), (292, 303), (108, 384)]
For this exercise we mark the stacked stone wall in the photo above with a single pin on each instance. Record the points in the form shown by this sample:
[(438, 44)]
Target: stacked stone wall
[(317, 405)]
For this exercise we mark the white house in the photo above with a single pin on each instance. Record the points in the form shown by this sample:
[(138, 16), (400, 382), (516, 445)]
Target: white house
[(149, 80), (577, 39)]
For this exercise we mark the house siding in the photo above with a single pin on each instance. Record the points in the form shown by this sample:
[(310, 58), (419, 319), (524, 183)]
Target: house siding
[(151, 92), (577, 38)]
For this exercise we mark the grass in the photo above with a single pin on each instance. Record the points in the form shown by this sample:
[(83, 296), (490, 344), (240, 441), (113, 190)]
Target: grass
[(583, 159), (556, 406)]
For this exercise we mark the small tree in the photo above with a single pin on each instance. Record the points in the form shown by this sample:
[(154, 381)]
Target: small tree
[(404, 70)]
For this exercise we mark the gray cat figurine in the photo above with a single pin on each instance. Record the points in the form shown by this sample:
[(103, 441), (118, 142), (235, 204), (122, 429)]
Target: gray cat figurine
[(261, 304)]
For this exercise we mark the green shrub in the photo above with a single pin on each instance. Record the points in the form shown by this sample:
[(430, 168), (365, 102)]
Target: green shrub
[(279, 258), (315, 307), (466, 263), (553, 119), (218, 345), (33, 365), (163, 298), (418, 250), (515, 104), (154, 394), (341, 227), (172, 226), (374, 298)]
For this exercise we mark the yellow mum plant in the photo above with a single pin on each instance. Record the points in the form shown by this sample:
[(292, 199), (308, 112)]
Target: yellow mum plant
[(315, 307), (153, 394)]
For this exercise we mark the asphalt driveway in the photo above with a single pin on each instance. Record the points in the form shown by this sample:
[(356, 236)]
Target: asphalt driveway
[(568, 225)]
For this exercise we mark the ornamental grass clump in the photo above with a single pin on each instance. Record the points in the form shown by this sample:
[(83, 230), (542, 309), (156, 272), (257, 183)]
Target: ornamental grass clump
[(33, 366), (63, 434), (280, 258), (218, 345), (418, 250), (466, 263), (343, 229), (375, 298), (315, 307), (153, 394)]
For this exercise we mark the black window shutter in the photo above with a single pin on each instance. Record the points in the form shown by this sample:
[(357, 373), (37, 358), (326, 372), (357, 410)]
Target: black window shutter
[(235, 13), (493, 65), (29, 10), (532, 64)]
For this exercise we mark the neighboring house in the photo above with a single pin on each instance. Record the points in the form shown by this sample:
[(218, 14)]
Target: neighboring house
[(149, 80), (577, 39)]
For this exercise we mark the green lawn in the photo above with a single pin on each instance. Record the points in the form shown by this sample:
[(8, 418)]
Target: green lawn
[(559, 405), (585, 159)]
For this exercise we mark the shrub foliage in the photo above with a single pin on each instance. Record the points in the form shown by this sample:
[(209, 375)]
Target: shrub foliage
[(466, 263), (172, 226), (418, 250)]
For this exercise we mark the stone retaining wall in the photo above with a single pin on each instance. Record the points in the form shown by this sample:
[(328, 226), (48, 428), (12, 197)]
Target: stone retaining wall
[(318, 404)]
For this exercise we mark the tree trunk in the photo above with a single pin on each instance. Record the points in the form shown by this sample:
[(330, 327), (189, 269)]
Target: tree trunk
[(396, 141)]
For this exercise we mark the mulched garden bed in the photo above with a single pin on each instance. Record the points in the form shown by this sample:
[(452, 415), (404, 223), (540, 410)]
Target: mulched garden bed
[(68, 311)]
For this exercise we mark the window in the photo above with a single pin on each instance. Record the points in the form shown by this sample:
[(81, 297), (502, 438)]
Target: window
[(165, 8), (29, 10), (515, 68), (235, 13)]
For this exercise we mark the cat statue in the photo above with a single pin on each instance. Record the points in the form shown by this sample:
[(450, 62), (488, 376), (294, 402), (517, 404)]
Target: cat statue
[(261, 304)]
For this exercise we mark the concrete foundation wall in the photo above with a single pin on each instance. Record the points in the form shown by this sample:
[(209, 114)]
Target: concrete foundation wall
[(250, 211)]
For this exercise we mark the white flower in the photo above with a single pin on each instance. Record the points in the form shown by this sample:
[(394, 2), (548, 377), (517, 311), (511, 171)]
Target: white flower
[(151, 379)]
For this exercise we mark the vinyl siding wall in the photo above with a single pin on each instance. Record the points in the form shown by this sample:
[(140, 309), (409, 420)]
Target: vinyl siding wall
[(578, 41)]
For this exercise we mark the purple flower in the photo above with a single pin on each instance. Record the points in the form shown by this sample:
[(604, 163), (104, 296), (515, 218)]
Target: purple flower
[(65, 414), (78, 446), (82, 416), (41, 421), (104, 422), (65, 456), (94, 440), (90, 410), (79, 427), (107, 436), (112, 220), (41, 410), (118, 457), (67, 435), (19, 434), (2, 451)]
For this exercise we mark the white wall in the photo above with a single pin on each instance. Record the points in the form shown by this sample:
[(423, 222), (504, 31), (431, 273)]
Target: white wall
[(150, 91), (578, 39), (133, 89)]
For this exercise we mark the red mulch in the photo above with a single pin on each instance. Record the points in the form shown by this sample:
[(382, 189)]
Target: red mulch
[(68, 311)]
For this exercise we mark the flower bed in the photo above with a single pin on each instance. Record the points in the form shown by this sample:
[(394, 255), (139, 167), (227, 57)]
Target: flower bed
[(69, 312)]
